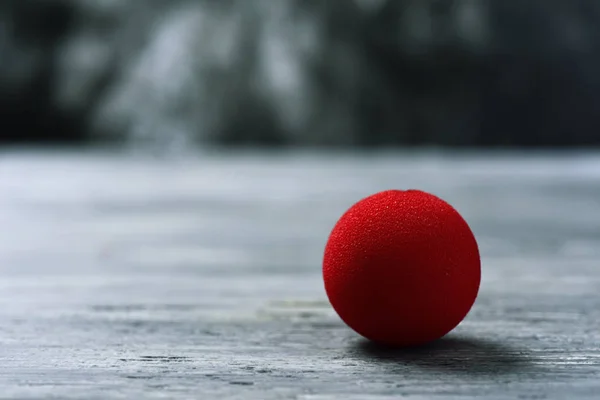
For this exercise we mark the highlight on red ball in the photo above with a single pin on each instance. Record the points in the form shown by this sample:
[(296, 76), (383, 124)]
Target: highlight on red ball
[(402, 268)]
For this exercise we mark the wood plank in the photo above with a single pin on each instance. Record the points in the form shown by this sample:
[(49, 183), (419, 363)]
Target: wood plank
[(124, 276)]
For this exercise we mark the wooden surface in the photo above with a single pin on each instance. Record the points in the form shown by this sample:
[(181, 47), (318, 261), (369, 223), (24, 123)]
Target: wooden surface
[(123, 277)]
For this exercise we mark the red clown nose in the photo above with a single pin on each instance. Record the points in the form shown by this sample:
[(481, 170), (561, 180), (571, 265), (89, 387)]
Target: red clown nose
[(402, 268)]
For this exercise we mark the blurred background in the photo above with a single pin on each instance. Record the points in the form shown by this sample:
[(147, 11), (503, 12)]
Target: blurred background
[(351, 73)]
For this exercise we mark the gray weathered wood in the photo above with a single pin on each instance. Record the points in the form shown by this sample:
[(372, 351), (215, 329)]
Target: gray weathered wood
[(124, 277)]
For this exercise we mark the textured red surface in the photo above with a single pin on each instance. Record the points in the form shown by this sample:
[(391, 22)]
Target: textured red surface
[(402, 267)]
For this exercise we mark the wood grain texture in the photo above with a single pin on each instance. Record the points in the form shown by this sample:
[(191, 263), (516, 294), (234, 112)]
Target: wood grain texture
[(126, 277)]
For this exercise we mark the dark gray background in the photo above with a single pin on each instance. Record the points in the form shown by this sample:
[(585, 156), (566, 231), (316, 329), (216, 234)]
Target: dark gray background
[(301, 72)]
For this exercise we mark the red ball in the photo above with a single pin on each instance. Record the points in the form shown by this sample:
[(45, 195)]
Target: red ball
[(402, 268)]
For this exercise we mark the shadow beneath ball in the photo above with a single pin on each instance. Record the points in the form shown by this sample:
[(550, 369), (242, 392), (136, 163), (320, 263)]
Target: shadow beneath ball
[(456, 355)]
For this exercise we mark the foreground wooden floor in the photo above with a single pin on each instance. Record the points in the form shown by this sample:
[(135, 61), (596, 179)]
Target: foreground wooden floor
[(124, 277)]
